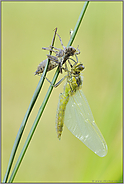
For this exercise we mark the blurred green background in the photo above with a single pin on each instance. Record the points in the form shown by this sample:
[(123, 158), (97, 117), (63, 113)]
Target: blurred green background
[(26, 28)]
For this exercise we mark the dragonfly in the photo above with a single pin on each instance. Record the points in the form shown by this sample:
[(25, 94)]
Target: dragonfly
[(59, 59), (74, 111)]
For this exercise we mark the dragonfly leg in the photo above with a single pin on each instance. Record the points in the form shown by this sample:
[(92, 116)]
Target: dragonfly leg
[(75, 62), (78, 51), (76, 59), (55, 48), (49, 49), (61, 42), (53, 58), (58, 83)]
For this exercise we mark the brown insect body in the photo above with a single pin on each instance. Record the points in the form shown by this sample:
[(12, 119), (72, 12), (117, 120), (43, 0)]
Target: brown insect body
[(41, 66), (59, 59)]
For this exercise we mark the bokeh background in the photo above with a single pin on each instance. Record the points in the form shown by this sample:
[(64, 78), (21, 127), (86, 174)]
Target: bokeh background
[(26, 28)]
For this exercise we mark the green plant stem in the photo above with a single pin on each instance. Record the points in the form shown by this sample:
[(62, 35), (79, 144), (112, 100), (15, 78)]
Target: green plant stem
[(78, 23), (45, 100), (32, 129), (23, 124)]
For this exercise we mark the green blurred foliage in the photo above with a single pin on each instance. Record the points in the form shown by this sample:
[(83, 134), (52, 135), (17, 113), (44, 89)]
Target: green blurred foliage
[(28, 26)]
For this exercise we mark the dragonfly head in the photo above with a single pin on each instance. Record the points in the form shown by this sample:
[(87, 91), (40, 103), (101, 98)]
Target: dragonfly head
[(70, 51), (77, 68)]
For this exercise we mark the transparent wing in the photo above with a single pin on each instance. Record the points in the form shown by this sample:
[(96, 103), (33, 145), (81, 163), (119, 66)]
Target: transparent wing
[(79, 120)]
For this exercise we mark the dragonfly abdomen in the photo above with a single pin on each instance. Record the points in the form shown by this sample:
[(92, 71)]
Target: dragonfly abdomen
[(42, 65), (63, 100), (69, 89)]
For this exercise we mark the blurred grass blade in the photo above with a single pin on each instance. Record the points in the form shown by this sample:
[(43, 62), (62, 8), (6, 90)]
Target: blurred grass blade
[(45, 101), (23, 124)]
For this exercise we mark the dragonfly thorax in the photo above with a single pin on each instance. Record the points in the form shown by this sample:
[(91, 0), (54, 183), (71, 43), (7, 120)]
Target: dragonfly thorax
[(70, 51)]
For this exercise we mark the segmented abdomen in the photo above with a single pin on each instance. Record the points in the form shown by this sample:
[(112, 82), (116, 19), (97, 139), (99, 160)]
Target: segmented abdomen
[(63, 100), (41, 66), (70, 88)]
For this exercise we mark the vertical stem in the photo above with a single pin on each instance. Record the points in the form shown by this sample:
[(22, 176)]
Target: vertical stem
[(78, 23), (45, 100), (23, 124)]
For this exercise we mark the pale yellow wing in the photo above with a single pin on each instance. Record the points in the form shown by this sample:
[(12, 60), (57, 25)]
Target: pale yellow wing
[(79, 120)]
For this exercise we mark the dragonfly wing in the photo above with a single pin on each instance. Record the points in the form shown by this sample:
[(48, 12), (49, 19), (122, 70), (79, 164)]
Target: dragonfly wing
[(79, 120)]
